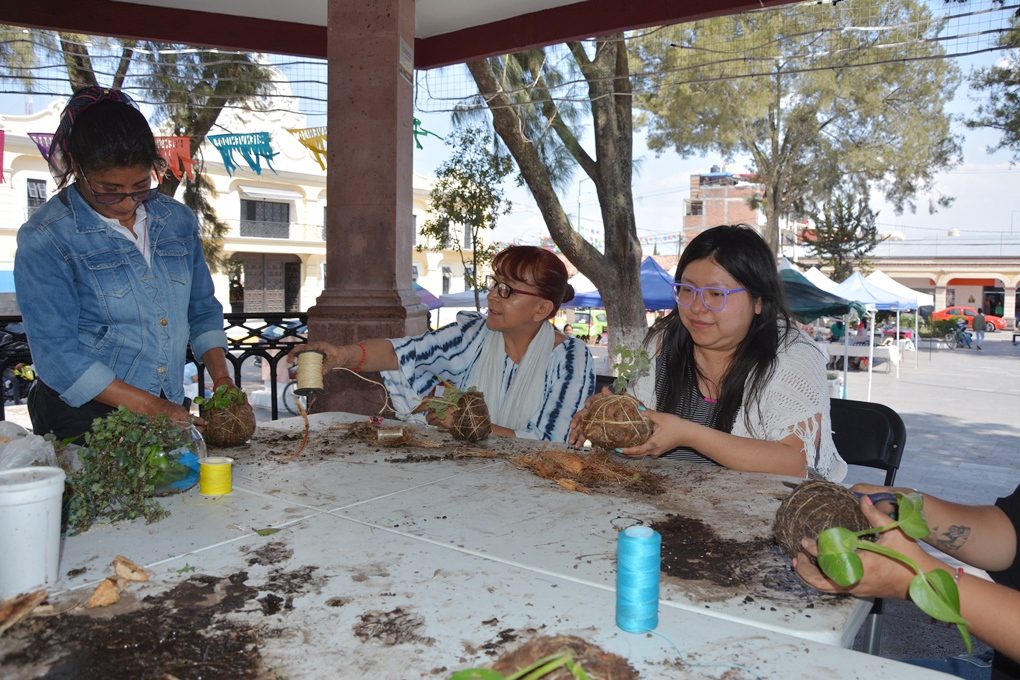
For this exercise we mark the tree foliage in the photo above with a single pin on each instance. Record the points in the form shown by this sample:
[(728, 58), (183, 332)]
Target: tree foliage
[(468, 194), (543, 134), (824, 111), (845, 234), (187, 89), (1001, 84)]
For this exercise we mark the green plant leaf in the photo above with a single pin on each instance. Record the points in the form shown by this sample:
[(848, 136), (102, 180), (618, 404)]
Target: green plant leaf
[(837, 557), (935, 594), (477, 674), (931, 602), (910, 515)]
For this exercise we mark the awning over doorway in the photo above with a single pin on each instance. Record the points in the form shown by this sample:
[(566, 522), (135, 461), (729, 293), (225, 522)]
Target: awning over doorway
[(266, 193)]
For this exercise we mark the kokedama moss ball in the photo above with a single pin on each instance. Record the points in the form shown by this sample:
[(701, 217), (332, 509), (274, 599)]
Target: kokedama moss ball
[(228, 426), (469, 419), (813, 507), (614, 422)]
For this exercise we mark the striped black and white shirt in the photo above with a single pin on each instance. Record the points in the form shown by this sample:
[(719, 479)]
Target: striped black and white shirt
[(450, 353)]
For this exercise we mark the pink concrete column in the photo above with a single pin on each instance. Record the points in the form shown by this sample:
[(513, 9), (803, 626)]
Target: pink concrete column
[(369, 223)]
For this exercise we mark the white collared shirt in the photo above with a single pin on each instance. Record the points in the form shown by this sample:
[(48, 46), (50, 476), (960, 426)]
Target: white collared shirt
[(141, 236)]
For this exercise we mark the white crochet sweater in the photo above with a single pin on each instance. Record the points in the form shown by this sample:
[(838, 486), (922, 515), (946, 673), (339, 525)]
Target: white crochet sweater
[(791, 403)]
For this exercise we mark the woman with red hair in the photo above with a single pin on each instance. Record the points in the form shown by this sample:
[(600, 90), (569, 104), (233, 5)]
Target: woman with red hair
[(533, 377)]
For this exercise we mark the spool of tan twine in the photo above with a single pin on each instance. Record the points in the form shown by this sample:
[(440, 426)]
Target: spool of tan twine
[(309, 373)]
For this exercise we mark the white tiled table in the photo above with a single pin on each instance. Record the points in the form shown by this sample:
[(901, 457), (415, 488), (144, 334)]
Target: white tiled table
[(458, 544)]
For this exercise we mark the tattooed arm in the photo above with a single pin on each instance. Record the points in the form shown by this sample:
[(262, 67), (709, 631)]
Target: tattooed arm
[(980, 535)]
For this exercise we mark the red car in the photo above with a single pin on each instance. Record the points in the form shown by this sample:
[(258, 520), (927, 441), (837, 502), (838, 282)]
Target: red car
[(992, 323)]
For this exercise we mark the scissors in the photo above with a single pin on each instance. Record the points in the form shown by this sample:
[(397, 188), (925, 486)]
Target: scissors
[(876, 498)]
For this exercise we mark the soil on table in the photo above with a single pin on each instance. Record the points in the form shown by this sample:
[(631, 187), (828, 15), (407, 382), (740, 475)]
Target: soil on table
[(403, 443), (183, 633), (397, 626), (693, 552), (597, 662)]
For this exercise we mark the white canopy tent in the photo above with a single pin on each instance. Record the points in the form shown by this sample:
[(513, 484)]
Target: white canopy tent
[(886, 282), (858, 289), (815, 276)]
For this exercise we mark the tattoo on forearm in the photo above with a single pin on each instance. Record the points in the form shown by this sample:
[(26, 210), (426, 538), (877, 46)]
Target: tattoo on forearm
[(951, 539)]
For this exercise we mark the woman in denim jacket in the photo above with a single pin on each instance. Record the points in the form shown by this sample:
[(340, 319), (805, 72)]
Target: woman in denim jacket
[(110, 277)]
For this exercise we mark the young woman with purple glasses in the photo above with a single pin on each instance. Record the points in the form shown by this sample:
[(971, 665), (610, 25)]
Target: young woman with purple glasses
[(736, 382)]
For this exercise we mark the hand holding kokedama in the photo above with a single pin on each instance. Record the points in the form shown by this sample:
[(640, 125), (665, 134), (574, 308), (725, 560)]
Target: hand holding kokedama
[(532, 377)]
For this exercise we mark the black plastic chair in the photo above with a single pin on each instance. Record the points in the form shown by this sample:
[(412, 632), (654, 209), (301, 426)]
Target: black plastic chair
[(603, 381), (872, 435)]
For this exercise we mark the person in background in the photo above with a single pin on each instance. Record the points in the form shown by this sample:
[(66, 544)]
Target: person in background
[(979, 328), (533, 377), (837, 330), (984, 536), (111, 278), (736, 382), (568, 330)]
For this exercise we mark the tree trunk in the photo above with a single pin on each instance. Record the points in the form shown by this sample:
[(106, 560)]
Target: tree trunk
[(617, 272)]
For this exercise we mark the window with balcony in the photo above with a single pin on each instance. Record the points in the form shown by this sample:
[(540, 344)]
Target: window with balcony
[(469, 241), (265, 219), (447, 278), (36, 189)]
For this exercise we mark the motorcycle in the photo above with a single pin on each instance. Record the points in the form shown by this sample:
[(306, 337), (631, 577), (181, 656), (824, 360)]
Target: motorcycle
[(16, 360)]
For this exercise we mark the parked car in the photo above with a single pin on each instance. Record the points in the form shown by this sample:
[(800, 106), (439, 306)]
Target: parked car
[(992, 323), (590, 326)]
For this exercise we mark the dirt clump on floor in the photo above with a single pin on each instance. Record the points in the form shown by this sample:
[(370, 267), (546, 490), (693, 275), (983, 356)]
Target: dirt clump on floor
[(397, 626), (185, 632), (597, 662), (587, 472)]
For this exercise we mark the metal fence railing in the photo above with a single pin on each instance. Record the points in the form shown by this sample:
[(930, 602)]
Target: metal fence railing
[(268, 335)]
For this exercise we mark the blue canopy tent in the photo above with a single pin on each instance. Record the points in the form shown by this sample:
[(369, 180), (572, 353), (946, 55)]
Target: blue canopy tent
[(463, 299), (656, 289), (427, 298)]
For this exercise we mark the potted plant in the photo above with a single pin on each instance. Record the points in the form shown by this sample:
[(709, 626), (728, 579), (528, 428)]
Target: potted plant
[(835, 381), (228, 420), (617, 420), (128, 459), (466, 409)]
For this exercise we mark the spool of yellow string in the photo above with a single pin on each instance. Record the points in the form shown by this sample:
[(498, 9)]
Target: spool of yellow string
[(215, 475)]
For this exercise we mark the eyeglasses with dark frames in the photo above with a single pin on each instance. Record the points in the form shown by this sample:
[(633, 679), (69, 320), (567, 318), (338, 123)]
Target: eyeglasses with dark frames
[(504, 290), (114, 197), (712, 297)]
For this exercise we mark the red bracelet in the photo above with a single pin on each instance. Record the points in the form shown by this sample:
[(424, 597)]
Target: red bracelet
[(364, 355)]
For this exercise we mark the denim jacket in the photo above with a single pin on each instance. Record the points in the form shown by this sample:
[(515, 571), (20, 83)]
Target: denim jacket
[(94, 311)]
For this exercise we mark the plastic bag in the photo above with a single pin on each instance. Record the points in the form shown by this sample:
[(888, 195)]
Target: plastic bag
[(180, 467), (20, 448)]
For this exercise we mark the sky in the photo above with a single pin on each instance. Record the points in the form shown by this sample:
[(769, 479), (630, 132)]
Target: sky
[(986, 207), (984, 218)]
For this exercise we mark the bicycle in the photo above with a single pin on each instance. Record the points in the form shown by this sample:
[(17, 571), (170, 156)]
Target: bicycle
[(290, 399)]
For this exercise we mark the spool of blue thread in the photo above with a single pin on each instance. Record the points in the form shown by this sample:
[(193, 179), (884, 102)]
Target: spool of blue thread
[(638, 553)]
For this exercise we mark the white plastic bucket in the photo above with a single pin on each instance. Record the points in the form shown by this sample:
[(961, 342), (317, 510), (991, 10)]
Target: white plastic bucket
[(30, 503)]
